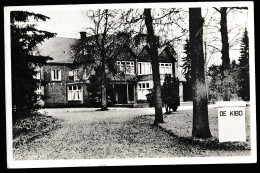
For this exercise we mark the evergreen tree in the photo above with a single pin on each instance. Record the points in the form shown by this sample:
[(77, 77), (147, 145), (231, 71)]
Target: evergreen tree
[(94, 89), (170, 93), (216, 89), (24, 38), (243, 81), (187, 72), (215, 84)]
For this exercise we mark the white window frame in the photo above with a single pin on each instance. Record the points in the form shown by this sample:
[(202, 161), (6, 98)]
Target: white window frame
[(144, 88), (70, 72), (74, 94), (76, 74), (85, 51), (165, 68), (146, 68), (126, 66), (37, 75), (55, 74)]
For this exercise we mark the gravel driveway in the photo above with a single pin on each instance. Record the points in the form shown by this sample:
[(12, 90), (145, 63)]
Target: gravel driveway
[(85, 133), (117, 133)]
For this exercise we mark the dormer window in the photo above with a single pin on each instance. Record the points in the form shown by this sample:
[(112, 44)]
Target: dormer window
[(126, 66), (144, 68)]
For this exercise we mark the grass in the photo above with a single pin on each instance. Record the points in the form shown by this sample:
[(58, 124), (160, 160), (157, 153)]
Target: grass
[(179, 124), (33, 126), (178, 146)]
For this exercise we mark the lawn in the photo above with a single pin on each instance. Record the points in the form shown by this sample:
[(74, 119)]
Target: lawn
[(180, 122)]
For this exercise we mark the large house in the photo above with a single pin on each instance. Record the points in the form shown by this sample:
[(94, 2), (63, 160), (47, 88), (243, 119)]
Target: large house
[(66, 80)]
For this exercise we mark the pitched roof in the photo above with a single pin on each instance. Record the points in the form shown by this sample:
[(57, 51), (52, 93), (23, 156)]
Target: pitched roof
[(144, 56), (166, 57), (137, 50), (59, 48), (163, 56)]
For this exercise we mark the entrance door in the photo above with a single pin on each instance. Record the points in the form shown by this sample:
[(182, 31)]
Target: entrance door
[(121, 94)]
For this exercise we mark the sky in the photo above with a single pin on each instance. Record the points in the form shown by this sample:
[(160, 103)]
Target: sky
[(68, 22)]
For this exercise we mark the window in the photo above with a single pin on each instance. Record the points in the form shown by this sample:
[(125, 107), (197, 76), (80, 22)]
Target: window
[(85, 51), (56, 75), (129, 67), (38, 75), (39, 91), (71, 73), (126, 66), (85, 74), (144, 88), (74, 92), (165, 68), (76, 74), (144, 68)]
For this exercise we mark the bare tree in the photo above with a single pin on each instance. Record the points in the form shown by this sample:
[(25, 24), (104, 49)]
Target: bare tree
[(153, 51), (102, 46), (200, 108), (225, 48), (156, 23)]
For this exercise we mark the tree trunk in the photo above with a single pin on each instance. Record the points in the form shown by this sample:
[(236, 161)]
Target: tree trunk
[(200, 108), (205, 69), (103, 86), (225, 52), (104, 97), (153, 50)]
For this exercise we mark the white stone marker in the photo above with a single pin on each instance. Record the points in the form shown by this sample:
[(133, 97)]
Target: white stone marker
[(231, 121)]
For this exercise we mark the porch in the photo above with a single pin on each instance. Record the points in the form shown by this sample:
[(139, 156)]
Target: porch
[(124, 93)]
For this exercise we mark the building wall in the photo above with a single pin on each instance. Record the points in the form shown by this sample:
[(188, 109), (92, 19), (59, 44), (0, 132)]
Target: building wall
[(54, 91), (55, 94)]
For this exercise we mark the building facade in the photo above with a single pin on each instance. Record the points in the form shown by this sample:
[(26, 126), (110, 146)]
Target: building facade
[(65, 81)]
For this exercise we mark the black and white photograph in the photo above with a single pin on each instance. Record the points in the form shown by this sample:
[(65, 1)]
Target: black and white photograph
[(122, 84)]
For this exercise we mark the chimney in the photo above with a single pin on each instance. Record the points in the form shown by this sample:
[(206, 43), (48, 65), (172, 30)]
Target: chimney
[(83, 35)]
